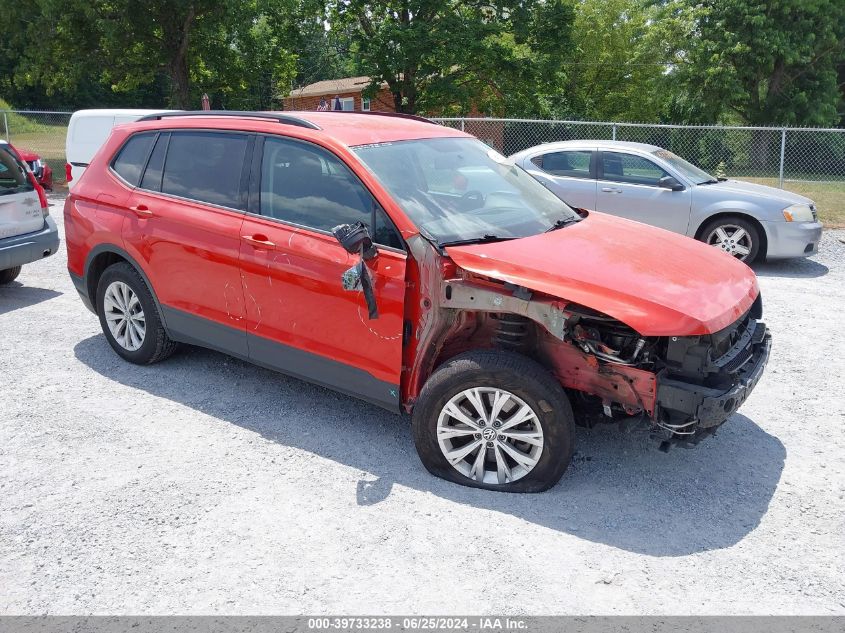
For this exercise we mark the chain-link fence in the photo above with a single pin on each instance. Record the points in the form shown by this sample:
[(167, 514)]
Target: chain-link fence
[(40, 132), (809, 161)]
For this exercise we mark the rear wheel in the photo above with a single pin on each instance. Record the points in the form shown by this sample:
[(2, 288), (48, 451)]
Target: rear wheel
[(9, 275), (494, 420), (129, 317), (734, 235)]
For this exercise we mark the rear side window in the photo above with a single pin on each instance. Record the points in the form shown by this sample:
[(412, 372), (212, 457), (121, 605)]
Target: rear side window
[(13, 177), (303, 184), (132, 158), (575, 164), (205, 166), (155, 166)]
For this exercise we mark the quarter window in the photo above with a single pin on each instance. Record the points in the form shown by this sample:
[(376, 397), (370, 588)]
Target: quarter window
[(572, 163), (205, 166), (155, 166), (305, 185), (131, 160), (629, 168)]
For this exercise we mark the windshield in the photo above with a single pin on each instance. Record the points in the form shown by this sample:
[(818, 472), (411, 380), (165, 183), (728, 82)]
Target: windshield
[(688, 170), (13, 176), (459, 190)]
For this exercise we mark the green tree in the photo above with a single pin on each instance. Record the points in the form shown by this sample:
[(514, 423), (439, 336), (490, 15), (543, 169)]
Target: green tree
[(449, 55), (764, 62)]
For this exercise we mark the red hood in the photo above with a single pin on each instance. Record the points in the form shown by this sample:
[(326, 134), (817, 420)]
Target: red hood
[(657, 282)]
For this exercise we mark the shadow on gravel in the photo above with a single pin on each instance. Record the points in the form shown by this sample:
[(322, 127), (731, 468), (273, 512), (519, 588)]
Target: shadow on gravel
[(620, 490), (16, 296), (798, 268)]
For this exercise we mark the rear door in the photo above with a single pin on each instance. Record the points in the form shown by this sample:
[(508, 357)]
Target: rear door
[(20, 208), (569, 174), (628, 186), (184, 225), (299, 318)]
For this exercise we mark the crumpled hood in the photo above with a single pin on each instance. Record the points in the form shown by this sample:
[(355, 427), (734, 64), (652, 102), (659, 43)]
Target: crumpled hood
[(659, 283), (727, 187), (26, 154)]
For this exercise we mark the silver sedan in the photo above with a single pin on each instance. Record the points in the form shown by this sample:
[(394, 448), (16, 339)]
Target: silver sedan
[(652, 185)]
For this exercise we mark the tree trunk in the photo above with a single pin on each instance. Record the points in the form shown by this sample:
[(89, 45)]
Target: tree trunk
[(176, 38)]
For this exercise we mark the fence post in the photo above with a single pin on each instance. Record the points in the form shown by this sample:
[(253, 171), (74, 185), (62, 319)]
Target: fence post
[(6, 127), (614, 131), (462, 125), (782, 152)]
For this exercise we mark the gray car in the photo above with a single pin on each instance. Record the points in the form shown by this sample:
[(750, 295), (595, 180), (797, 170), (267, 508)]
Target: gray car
[(652, 185)]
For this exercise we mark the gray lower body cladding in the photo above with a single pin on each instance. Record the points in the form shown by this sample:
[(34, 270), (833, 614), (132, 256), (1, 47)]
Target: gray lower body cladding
[(30, 247)]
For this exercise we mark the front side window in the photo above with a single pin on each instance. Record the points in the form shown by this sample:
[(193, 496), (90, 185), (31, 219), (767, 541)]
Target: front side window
[(205, 166), (631, 169), (132, 157), (575, 163), (305, 185), (13, 177), (459, 190)]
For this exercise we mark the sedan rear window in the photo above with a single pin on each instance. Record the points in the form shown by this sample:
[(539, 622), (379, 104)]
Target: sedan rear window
[(13, 175)]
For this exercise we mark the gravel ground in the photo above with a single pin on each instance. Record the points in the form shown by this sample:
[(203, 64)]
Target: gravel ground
[(206, 485)]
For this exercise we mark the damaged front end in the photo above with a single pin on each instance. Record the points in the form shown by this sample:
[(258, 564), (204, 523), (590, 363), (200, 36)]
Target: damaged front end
[(679, 388)]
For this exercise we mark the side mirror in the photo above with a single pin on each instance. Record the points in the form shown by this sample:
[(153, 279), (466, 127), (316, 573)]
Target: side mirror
[(355, 239), (667, 182)]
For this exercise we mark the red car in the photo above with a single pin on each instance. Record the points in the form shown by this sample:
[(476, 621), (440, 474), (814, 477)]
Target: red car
[(43, 172), (408, 264)]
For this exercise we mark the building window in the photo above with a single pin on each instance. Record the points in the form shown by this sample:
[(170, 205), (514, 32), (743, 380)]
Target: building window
[(347, 104), (365, 104)]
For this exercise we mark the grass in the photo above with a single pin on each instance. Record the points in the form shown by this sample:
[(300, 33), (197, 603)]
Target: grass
[(828, 196), (42, 138)]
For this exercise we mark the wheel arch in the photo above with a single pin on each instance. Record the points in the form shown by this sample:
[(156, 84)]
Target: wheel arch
[(764, 238), (99, 259)]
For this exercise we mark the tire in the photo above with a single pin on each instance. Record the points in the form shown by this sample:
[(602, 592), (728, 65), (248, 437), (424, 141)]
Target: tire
[(489, 373), (730, 226), (155, 345), (9, 275)]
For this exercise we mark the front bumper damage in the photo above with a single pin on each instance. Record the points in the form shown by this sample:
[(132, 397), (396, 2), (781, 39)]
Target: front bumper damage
[(687, 412)]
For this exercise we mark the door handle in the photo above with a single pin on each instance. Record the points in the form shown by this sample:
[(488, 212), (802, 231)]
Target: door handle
[(142, 211), (611, 190), (258, 240)]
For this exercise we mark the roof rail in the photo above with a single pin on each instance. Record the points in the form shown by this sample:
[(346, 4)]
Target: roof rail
[(286, 119), (401, 115)]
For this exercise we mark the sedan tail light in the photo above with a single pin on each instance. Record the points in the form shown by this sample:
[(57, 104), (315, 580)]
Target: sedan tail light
[(42, 197)]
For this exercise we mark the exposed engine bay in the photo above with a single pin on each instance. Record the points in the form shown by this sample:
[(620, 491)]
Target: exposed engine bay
[(678, 388)]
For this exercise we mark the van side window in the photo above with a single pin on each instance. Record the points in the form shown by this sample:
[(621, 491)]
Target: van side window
[(132, 157), (205, 166), (305, 185)]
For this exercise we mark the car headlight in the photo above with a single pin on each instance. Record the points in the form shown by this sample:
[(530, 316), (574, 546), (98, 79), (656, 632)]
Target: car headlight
[(798, 213)]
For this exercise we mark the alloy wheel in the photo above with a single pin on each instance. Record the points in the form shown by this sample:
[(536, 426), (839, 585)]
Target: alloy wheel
[(732, 239), (124, 315), (490, 435)]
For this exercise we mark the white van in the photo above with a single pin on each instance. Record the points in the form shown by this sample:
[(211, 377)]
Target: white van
[(87, 131)]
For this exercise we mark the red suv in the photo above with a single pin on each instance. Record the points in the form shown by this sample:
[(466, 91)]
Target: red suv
[(408, 264)]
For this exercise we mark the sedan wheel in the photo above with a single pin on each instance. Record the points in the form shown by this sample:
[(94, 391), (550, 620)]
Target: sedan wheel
[(124, 316), (732, 239), (490, 435)]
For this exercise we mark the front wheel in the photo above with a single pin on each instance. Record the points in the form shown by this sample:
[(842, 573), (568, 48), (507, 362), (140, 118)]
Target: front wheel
[(734, 235), (494, 420)]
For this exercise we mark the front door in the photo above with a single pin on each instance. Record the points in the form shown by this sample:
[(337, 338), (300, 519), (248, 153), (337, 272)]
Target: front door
[(299, 319), (628, 186)]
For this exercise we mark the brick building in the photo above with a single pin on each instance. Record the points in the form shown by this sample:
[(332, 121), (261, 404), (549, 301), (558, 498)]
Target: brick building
[(348, 90)]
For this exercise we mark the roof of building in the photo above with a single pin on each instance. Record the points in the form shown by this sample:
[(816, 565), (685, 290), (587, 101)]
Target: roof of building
[(330, 87)]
